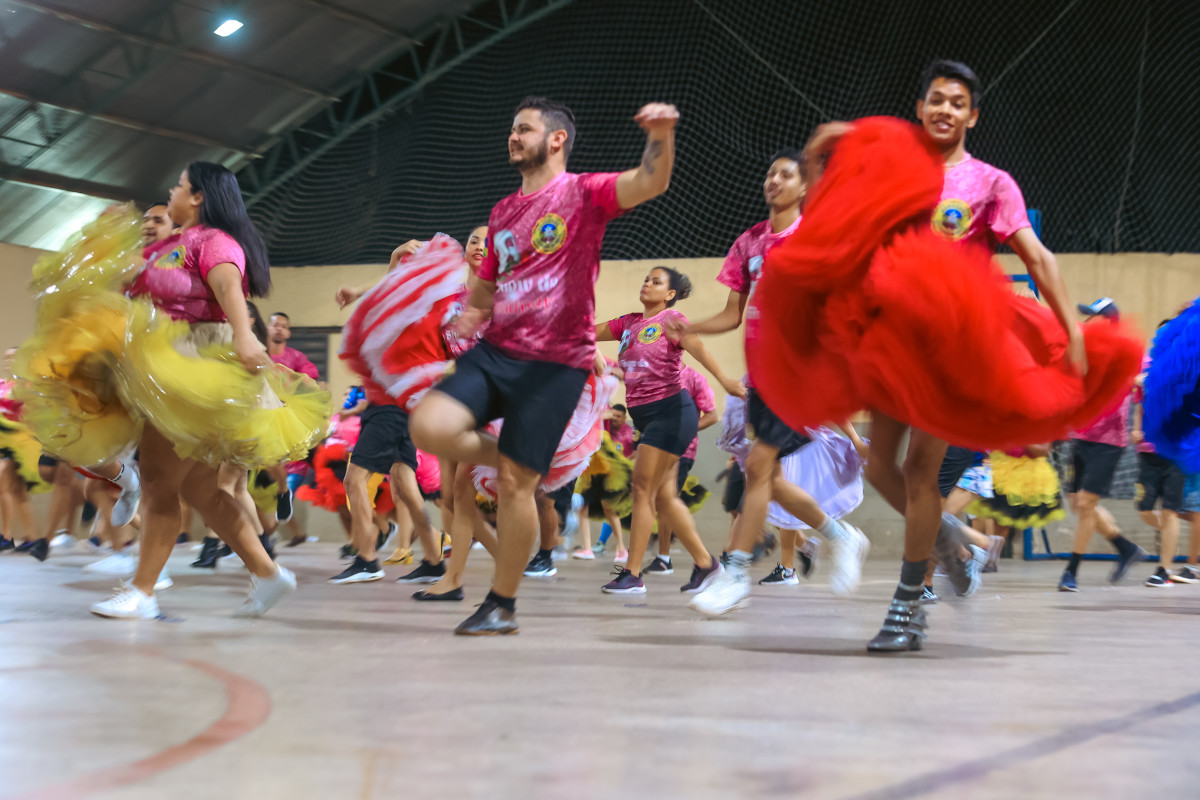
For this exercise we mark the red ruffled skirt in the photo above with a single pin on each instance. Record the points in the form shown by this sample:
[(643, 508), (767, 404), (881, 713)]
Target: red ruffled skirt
[(865, 306)]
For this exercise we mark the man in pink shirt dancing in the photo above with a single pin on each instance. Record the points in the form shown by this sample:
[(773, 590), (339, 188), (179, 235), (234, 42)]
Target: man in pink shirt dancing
[(537, 286), (289, 476)]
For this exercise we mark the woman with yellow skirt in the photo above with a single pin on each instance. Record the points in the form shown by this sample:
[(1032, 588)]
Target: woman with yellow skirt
[(176, 371)]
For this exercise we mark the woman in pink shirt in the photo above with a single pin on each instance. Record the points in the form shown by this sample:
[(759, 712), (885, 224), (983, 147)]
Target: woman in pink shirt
[(666, 419)]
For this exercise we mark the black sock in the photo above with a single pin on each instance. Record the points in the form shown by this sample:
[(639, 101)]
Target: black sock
[(507, 603), (544, 553), (912, 580), (1122, 545), (929, 588), (1073, 565)]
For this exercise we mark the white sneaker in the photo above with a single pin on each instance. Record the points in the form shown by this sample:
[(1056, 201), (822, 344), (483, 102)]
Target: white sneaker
[(120, 564), (127, 603), (558, 553), (478, 546), (727, 592), (389, 542), (126, 506), (266, 592), (975, 565), (847, 553), (64, 541), (164, 581)]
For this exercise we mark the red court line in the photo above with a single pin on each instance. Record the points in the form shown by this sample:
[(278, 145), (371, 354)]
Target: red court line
[(247, 706)]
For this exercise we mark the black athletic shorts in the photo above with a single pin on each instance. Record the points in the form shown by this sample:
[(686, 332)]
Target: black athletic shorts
[(383, 440), (535, 398), (763, 425), (735, 487), (669, 424), (956, 461), (47, 461), (685, 469), (1094, 464), (1159, 477)]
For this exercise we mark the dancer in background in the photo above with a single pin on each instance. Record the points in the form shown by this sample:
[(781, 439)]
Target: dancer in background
[(666, 419)]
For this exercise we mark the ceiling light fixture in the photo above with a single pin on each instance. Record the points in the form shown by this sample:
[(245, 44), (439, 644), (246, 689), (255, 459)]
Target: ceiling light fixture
[(227, 27)]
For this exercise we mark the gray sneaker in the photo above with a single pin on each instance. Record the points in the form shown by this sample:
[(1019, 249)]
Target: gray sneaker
[(950, 542)]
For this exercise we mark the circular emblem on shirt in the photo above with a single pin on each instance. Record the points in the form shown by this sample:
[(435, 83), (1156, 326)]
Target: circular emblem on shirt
[(650, 334), (549, 234), (952, 219), (172, 259), (637, 435)]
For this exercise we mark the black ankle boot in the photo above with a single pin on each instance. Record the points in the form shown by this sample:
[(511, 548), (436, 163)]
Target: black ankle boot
[(209, 553), (40, 549), (903, 628)]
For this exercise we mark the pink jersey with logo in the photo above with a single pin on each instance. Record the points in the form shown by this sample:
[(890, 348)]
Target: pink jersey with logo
[(744, 264), (980, 204), (706, 401), (297, 362), (651, 361), (176, 273), (544, 257), (1111, 428), (622, 437)]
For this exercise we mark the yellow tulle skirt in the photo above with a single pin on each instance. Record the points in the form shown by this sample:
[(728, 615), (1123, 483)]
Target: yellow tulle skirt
[(17, 444), (1026, 493), (99, 366), (608, 481), (69, 381), (262, 490)]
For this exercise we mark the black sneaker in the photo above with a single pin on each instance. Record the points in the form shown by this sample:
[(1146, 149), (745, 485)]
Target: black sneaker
[(40, 549), (225, 550), (452, 596), (1161, 578), (488, 620), (928, 597), (541, 566), (1124, 562), (1185, 574), (182, 538), (659, 566), (359, 571), (209, 553), (701, 578), (283, 506), (347, 552), (624, 582), (425, 573), (781, 576), (23, 547), (267, 544), (296, 541), (7, 544), (806, 563)]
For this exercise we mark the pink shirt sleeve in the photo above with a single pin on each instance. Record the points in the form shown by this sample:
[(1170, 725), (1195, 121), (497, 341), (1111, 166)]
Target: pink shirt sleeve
[(1008, 210), (219, 248), (616, 327), (601, 189), (735, 271), (490, 266), (303, 365)]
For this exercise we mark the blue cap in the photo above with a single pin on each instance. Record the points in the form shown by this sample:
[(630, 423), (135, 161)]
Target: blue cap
[(1104, 307)]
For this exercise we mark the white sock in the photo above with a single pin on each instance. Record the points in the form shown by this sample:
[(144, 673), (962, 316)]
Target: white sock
[(127, 478), (665, 559), (831, 529)]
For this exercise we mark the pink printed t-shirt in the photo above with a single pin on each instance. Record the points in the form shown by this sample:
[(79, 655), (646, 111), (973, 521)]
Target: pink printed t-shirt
[(176, 273), (1110, 428), (297, 362), (622, 437), (457, 345), (706, 401), (980, 204), (744, 264), (651, 361), (545, 258)]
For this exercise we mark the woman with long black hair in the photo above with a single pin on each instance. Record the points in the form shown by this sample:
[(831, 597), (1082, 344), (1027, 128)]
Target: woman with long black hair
[(200, 411)]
